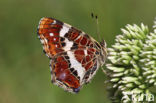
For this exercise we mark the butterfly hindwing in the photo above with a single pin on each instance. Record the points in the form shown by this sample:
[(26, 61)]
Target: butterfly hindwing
[(73, 69)]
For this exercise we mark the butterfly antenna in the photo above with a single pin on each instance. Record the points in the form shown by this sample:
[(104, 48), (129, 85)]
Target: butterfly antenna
[(97, 25)]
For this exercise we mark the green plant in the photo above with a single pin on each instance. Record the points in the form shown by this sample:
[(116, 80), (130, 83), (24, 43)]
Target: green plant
[(131, 66)]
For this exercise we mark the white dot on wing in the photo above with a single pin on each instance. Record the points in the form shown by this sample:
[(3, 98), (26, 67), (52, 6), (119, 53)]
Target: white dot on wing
[(51, 34), (54, 39), (54, 22)]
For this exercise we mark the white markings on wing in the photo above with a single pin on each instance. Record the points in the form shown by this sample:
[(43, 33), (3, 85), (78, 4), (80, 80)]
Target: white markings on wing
[(69, 44), (54, 22), (64, 30), (43, 39), (85, 52), (76, 65), (51, 34)]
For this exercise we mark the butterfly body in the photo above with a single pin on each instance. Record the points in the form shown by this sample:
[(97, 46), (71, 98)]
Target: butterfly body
[(74, 55)]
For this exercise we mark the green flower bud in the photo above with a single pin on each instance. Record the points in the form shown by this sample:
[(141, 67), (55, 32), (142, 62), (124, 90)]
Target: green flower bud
[(131, 65)]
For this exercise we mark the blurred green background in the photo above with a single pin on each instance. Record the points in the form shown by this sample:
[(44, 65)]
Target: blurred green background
[(24, 68)]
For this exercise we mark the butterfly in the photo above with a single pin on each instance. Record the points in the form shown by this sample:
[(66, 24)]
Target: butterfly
[(74, 55)]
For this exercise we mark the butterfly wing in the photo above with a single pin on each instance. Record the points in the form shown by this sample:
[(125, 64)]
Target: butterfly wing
[(73, 53), (49, 35), (70, 70)]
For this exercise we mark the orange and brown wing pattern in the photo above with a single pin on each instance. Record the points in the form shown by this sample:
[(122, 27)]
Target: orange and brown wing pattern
[(73, 54), (63, 74), (57, 37), (88, 59), (48, 32), (71, 69)]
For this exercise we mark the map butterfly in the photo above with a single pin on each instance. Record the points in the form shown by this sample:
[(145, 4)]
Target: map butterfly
[(74, 55)]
